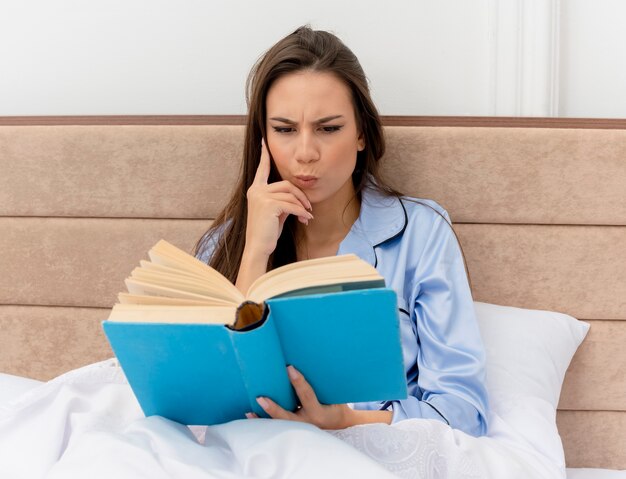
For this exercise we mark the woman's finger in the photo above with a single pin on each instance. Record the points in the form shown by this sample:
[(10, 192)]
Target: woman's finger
[(282, 207), (288, 187), (274, 410), (305, 392), (289, 198), (263, 170)]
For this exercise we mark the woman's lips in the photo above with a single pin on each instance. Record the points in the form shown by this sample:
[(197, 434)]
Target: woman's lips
[(305, 181)]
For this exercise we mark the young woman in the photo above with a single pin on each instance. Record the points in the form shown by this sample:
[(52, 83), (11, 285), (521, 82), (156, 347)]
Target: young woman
[(310, 187)]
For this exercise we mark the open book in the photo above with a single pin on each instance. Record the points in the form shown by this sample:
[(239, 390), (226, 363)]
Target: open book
[(175, 286), (196, 350)]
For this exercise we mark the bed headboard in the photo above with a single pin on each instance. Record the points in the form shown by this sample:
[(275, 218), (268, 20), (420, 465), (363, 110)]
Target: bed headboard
[(539, 206)]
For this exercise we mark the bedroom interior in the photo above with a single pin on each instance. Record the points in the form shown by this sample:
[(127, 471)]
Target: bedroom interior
[(539, 205)]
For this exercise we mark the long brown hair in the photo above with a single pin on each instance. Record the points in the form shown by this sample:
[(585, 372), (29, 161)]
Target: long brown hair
[(304, 49)]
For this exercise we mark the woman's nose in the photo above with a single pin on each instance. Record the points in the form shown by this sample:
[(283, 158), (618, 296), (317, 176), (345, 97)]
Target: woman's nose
[(307, 150)]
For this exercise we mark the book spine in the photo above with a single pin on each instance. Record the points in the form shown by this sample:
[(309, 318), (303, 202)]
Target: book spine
[(262, 365)]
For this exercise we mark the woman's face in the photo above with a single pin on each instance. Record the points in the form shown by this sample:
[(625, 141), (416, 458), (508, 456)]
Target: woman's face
[(312, 134)]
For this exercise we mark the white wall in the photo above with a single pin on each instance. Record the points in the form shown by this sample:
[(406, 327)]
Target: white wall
[(593, 58), (171, 57), (423, 57)]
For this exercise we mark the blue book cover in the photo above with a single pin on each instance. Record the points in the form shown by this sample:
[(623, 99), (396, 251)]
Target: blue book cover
[(346, 344)]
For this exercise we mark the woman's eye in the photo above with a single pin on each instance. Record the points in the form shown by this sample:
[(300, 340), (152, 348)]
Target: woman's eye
[(286, 129), (282, 129), (330, 129)]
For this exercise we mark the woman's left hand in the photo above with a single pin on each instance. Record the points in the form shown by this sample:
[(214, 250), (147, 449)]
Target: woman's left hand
[(334, 416)]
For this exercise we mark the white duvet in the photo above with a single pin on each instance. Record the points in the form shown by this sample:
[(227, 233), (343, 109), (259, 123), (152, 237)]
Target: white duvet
[(87, 423)]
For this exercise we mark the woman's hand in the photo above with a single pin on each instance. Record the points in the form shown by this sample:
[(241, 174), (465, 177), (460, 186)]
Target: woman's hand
[(268, 208), (325, 417), (335, 416)]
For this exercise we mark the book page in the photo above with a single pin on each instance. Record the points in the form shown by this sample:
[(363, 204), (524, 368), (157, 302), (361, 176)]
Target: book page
[(148, 266), (283, 288), (166, 254), (181, 283), (137, 313), (306, 274), (127, 298), (136, 287)]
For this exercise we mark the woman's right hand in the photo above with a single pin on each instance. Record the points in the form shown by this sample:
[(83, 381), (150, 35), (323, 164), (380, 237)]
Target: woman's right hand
[(269, 205)]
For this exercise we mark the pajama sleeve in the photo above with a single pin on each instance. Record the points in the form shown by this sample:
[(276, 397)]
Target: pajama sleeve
[(451, 357)]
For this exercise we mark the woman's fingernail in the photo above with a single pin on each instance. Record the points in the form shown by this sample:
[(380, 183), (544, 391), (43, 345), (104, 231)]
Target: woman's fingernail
[(310, 216), (293, 374), (249, 415), (262, 402)]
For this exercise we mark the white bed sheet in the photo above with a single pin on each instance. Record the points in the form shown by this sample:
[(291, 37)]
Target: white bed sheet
[(13, 386), (587, 473), (87, 423)]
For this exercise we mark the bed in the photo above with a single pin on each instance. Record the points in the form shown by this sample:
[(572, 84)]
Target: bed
[(539, 206)]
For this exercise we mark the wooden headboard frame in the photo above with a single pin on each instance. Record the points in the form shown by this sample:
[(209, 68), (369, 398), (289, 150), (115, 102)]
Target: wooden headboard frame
[(538, 203)]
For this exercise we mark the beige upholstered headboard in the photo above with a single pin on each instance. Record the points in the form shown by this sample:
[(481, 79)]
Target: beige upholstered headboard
[(539, 205)]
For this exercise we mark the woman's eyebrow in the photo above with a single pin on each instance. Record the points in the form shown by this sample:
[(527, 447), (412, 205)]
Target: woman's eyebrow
[(321, 120)]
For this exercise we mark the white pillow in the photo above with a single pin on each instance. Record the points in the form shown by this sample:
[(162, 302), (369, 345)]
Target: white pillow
[(528, 351), (527, 354)]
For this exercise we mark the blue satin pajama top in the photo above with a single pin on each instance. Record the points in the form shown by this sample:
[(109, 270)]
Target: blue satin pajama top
[(417, 253)]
